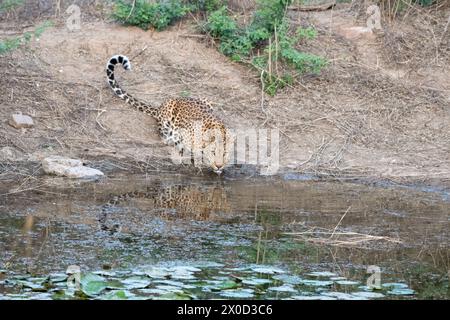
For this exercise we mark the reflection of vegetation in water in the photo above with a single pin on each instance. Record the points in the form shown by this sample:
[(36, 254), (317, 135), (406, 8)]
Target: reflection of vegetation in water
[(269, 247)]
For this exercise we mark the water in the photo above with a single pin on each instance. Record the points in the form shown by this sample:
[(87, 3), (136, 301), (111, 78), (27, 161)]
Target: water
[(247, 238)]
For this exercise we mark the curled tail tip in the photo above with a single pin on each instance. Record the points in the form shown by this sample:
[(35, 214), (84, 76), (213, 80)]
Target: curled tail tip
[(118, 58)]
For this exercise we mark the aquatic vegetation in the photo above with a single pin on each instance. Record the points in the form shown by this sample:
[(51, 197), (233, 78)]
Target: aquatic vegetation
[(182, 282)]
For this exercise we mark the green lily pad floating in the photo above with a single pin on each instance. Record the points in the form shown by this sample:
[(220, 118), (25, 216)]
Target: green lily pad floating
[(157, 272), (183, 272), (312, 298), (41, 296), (35, 284), (368, 295), (256, 281), (347, 282), (116, 295), (115, 284), (174, 296), (58, 277), (185, 269), (153, 291), (107, 273), (209, 264), (92, 284), (283, 288), (267, 269), (395, 285), (169, 288), (317, 283), (401, 292), (369, 289), (136, 282), (226, 285), (171, 283), (342, 296), (338, 278), (322, 274), (238, 294), (288, 279)]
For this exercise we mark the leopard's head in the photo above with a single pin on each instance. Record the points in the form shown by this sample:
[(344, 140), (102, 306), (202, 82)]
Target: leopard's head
[(218, 146)]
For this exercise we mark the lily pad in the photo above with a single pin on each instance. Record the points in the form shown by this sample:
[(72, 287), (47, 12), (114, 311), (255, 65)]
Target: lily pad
[(322, 274), (401, 292), (58, 277), (116, 295), (317, 283), (157, 272), (267, 269), (226, 285), (342, 296), (369, 295), (313, 298), (92, 284), (395, 285), (174, 296), (169, 288), (136, 282), (171, 283), (288, 279), (283, 288), (256, 281), (347, 282), (238, 294)]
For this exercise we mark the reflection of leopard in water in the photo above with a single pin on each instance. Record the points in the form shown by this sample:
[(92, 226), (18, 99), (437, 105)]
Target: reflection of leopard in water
[(191, 202)]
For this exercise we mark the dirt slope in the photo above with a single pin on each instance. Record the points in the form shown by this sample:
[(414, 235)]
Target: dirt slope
[(363, 116)]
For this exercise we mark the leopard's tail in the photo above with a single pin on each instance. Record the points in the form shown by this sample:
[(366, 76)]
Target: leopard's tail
[(136, 104)]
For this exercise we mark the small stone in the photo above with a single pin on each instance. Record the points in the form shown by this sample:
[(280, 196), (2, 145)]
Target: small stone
[(20, 121), (9, 154)]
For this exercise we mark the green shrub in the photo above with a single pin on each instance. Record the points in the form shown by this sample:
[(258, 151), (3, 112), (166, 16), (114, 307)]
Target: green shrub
[(220, 25), (253, 43), (145, 14), (7, 5), (14, 43)]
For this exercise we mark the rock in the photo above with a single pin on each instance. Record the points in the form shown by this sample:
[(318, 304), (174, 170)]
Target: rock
[(9, 154), (20, 121), (71, 168)]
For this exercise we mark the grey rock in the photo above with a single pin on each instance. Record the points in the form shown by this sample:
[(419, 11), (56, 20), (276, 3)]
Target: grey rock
[(71, 168), (20, 121)]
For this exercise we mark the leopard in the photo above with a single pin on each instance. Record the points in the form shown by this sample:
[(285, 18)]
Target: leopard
[(188, 124), (171, 202)]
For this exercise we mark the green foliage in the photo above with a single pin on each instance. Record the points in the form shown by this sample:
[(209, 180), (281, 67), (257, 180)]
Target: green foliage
[(8, 45), (270, 14), (250, 43), (145, 14), (7, 5), (268, 25), (221, 25), (208, 5)]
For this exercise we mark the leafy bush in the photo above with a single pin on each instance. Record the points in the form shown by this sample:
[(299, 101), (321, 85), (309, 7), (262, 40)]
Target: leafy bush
[(253, 44), (14, 43), (268, 23), (145, 14), (220, 25), (6, 5)]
